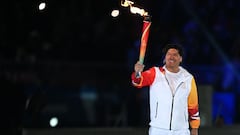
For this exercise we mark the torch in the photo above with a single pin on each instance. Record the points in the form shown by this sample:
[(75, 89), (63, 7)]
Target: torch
[(145, 27), (144, 38)]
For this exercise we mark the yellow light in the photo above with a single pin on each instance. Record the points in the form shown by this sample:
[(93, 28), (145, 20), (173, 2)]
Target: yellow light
[(115, 13), (53, 121), (42, 6)]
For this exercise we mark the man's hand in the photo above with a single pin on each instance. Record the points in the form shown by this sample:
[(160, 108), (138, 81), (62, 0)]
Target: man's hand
[(194, 131), (138, 67)]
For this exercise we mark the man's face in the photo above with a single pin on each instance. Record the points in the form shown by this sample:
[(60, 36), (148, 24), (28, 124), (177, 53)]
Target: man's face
[(173, 58)]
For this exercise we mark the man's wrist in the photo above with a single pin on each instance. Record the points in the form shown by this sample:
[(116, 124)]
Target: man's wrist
[(137, 74)]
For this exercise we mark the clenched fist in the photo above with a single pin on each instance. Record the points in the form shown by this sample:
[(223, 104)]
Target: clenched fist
[(138, 67)]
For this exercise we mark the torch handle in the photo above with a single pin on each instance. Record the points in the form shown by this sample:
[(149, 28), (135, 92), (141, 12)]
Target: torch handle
[(144, 40)]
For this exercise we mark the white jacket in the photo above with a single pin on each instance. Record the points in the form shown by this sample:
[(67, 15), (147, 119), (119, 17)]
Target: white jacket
[(169, 111)]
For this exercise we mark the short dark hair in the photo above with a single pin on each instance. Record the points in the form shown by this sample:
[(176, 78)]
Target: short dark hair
[(173, 46)]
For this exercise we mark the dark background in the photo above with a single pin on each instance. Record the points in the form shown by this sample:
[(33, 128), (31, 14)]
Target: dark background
[(73, 60)]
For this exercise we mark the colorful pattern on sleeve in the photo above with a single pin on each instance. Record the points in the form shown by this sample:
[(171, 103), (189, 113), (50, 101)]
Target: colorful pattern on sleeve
[(193, 109)]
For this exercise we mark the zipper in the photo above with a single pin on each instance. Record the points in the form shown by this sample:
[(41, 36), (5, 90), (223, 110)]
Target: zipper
[(173, 94), (170, 126), (156, 110)]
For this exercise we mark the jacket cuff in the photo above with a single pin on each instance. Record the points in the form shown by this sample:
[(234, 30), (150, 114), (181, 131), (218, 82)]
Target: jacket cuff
[(195, 123), (136, 81)]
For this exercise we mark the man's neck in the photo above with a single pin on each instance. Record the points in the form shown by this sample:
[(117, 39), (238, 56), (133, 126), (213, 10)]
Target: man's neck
[(173, 69)]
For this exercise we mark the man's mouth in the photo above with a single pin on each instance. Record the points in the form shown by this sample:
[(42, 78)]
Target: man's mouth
[(171, 61)]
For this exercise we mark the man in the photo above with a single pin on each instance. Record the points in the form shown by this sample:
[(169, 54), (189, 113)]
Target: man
[(173, 95)]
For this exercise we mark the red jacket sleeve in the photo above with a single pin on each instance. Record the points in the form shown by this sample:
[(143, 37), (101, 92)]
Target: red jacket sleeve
[(146, 78)]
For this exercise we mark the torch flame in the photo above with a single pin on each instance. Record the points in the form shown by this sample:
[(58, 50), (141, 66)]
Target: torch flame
[(126, 3), (133, 9)]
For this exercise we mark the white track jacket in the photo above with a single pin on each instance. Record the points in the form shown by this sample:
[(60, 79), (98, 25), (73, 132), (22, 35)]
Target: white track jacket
[(168, 110)]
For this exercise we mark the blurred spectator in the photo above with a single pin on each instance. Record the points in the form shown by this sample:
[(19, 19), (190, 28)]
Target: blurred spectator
[(35, 104), (231, 70), (12, 104), (88, 95), (231, 75)]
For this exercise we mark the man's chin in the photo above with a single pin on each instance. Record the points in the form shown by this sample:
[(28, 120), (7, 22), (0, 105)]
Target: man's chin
[(171, 64)]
